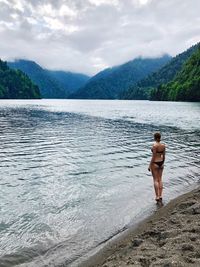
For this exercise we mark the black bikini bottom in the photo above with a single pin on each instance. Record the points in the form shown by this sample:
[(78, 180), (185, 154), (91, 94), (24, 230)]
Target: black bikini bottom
[(159, 163)]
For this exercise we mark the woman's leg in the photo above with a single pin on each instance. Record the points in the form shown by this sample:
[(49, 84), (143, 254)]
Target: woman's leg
[(154, 171), (160, 183)]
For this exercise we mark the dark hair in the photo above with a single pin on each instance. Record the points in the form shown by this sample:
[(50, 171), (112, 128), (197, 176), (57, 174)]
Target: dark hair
[(157, 136)]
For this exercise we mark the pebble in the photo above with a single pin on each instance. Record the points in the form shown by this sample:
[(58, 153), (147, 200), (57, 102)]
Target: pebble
[(186, 247), (136, 242)]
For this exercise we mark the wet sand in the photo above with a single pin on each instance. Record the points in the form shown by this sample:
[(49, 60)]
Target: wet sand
[(168, 238)]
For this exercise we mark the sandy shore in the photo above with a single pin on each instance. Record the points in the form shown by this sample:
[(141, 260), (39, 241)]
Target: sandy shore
[(170, 237)]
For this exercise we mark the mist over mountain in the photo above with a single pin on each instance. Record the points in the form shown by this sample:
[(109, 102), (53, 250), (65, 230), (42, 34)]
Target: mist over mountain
[(186, 84), (111, 82), (52, 84), (141, 78), (141, 90)]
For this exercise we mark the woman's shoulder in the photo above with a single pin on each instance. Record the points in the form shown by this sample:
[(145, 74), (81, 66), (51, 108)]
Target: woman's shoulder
[(160, 145), (163, 144), (154, 147)]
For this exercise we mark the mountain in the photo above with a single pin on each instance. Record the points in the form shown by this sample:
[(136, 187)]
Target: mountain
[(14, 84), (70, 81), (109, 83), (186, 84), (48, 86), (52, 84), (141, 90)]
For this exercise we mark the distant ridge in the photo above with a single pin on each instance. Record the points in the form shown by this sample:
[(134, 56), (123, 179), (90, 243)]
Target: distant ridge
[(52, 84), (70, 81), (48, 87), (141, 90), (109, 83)]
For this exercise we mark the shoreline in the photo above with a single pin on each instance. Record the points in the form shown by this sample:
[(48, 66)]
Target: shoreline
[(168, 237)]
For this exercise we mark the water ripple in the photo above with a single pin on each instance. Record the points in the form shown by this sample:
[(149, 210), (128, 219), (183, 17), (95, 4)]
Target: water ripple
[(71, 179)]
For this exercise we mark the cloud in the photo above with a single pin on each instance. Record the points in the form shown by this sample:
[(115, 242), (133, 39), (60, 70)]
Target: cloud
[(89, 35)]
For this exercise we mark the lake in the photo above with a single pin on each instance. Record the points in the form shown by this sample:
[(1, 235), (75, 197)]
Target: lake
[(74, 172)]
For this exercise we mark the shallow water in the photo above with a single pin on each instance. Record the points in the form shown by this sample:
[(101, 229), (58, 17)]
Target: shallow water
[(74, 173)]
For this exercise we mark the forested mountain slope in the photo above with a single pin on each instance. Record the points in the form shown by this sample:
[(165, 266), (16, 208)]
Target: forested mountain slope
[(186, 84), (52, 84), (109, 84), (70, 81), (141, 90), (14, 84)]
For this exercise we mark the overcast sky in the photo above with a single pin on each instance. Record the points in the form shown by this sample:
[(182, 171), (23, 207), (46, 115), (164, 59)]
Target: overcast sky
[(89, 35)]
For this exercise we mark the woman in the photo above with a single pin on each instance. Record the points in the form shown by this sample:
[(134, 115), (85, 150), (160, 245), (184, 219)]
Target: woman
[(157, 164)]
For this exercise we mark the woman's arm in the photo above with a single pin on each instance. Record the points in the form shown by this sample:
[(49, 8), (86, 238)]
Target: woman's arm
[(152, 158), (164, 154)]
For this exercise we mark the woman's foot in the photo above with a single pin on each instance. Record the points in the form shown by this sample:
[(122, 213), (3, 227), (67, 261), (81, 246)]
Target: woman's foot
[(157, 199)]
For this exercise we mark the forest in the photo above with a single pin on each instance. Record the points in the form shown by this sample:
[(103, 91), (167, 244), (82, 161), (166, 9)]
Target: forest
[(185, 86), (14, 84), (145, 88)]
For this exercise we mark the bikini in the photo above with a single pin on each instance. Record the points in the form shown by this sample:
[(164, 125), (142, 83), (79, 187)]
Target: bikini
[(159, 163)]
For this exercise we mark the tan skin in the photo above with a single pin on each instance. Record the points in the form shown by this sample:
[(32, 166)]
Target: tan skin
[(158, 155)]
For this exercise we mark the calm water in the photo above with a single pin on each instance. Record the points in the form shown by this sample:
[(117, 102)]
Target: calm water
[(74, 173)]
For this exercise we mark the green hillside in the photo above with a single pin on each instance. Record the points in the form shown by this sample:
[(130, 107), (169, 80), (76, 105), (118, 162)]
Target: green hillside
[(186, 84), (70, 81), (165, 74), (14, 84), (52, 84), (109, 84), (49, 88)]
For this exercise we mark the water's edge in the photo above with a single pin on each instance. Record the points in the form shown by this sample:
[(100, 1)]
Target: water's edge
[(104, 250)]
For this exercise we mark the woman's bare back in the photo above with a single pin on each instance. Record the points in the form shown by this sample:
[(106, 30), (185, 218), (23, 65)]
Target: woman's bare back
[(159, 152)]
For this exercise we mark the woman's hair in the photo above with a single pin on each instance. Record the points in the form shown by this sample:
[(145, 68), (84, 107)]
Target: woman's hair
[(157, 136)]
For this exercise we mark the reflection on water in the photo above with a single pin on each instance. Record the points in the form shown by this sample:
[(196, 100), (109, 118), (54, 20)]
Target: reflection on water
[(72, 176)]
